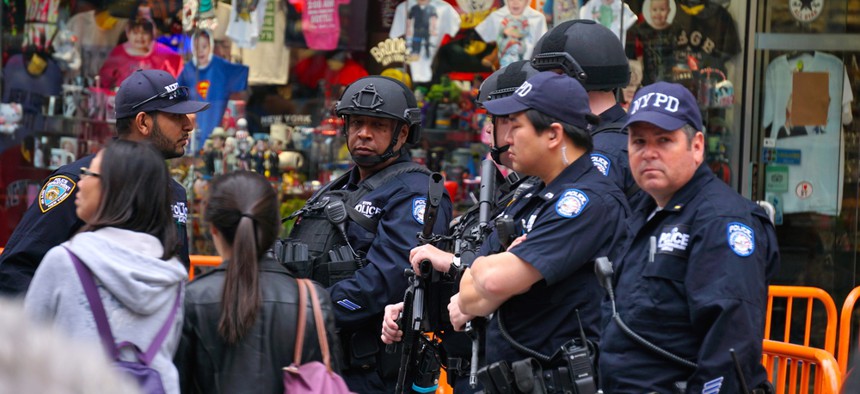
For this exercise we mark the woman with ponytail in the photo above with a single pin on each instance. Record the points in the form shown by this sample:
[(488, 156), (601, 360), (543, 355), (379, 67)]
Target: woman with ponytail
[(240, 321)]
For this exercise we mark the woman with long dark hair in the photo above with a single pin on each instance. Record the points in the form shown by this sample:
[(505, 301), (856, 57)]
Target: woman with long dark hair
[(240, 321), (127, 246)]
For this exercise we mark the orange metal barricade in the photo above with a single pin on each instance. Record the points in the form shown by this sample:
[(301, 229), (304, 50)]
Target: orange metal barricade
[(202, 261), (790, 367), (845, 328), (810, 295)]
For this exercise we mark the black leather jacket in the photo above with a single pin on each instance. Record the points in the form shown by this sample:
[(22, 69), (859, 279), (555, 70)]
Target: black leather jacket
[(208, 365)]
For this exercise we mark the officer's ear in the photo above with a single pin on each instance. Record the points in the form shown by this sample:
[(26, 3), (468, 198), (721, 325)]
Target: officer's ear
[(143, 123), (697, 145), (554, 134)]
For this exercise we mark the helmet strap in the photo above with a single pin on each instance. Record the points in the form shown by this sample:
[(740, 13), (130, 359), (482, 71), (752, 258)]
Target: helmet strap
[(496, 153)]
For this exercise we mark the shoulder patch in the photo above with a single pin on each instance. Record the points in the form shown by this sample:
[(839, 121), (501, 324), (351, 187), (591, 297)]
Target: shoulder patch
[(741, 239), (419, 204), (602, 163), (571, 203), (56, 190)]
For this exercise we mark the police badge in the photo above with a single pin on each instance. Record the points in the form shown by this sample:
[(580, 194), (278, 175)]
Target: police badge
[(602, 163), (571, 203), (418, 206), (56, 190), (741, 239)]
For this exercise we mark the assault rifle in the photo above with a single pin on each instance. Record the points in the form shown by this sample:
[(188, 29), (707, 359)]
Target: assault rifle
[(475, 328), (419, 360)]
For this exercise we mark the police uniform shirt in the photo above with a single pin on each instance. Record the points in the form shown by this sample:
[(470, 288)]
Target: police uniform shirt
[(578, 217), (399, 205), (703, 292), (51, 220)]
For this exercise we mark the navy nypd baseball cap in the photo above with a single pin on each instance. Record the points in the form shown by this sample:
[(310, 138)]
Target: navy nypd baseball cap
[(154, 90), (557, 95), (668, 106)]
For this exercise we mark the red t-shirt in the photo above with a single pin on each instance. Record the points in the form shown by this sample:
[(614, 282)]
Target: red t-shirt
[(119, 64)]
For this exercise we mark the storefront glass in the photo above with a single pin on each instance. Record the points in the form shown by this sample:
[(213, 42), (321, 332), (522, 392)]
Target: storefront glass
[(800, 107)]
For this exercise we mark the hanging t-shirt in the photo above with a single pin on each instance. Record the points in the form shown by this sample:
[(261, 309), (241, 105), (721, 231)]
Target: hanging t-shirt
[(436, 17), (119, 64), (95, 42), (213, 84), (611, 15), (658, 51), (709, 38), (492, 28), (815, 185), (321, 23), (31, 91), (561, 10), (267, 61), (246, 24)]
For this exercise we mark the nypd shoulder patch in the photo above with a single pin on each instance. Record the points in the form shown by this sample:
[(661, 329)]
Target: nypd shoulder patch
[(419, 204), (571, 203), (741, 239), (602, 163), (56, 190)]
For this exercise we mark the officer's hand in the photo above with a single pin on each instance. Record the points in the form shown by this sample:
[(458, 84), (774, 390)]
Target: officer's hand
[(390, 332), (518, 241), (441, 259), (458, 318)]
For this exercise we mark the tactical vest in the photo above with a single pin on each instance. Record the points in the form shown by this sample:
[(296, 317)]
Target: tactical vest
[(318, 246)]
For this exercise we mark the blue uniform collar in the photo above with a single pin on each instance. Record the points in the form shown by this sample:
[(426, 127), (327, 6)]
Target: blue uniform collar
[(685, 194), (355, 177), (615, 113), (570, 174)]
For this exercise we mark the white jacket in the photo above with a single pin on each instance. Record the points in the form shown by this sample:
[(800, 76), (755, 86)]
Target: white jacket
[(137, 288)]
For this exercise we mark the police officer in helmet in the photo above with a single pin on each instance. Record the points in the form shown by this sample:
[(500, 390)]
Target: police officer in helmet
[(501, 83), (590, 52), (693, 280), (354, 235), (535, 286)]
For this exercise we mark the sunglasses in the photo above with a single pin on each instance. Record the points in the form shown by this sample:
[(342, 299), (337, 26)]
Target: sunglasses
[(180, 94), (86, 172)]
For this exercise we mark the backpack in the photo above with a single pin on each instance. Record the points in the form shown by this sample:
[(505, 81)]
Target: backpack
[(140, 371), (317, 247), (312, 377)]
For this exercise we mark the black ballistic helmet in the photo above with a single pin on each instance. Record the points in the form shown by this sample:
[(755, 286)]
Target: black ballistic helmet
[(382, 97), (585, 50), (505, 81)]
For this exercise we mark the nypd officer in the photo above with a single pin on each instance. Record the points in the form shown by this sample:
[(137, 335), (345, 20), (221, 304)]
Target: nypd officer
[(589, 51), (572, 216), (150, 106), (501, 83), (361, 258), (693, 280)]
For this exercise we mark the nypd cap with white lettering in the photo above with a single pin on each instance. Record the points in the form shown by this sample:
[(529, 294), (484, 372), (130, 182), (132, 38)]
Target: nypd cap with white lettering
[(557, 95), (668, 106), (154, 90)]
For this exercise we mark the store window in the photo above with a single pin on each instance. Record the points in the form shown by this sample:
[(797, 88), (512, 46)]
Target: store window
[(801, 107)]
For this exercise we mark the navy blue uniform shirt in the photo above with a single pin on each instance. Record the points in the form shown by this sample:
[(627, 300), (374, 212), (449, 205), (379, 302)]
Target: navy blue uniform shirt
[(578, 217), (51, 220), (398, 204), (703, 292)]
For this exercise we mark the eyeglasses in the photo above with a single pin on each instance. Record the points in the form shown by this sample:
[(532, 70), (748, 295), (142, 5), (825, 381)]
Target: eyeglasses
[(86, 172), (180, 94)]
